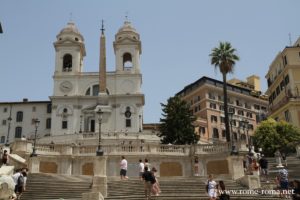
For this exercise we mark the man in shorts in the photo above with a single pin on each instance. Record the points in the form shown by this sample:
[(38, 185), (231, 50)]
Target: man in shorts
[(123, 168)]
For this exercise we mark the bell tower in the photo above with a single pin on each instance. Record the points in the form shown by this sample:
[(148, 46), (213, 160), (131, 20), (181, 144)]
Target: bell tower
[(127, 48), (70, 50)]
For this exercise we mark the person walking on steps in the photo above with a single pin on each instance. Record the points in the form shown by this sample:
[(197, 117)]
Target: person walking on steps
[(123, 169), (211, 188), (148, 184), (141, 169)]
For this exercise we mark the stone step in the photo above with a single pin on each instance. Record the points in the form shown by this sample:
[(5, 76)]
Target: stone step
[(49, 186), (189, 197)]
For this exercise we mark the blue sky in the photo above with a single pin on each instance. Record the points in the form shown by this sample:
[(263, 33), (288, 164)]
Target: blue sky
[(177, 37)]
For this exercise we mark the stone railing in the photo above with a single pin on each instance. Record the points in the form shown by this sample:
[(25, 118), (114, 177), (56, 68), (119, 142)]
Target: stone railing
[(128, 149), (212, 148)]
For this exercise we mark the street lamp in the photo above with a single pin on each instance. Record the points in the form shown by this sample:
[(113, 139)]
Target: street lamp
[(233, 147), (99, 151), (7, 138), (36, 123)]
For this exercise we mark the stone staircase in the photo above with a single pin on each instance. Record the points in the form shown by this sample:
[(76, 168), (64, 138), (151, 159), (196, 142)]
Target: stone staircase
[(179, 188), (52, 186)]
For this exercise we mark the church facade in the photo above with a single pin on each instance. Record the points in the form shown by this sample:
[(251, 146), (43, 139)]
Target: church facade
[(81, 101)]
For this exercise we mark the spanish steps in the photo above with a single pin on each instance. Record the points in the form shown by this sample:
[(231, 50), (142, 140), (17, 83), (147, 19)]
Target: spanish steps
[(54, 187)]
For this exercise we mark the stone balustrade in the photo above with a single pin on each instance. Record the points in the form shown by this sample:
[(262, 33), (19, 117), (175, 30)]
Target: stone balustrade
[(127, 149), (212, 148)]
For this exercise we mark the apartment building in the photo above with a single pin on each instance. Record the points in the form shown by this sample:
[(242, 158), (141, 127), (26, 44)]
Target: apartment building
[(205, 97), (283, 80)]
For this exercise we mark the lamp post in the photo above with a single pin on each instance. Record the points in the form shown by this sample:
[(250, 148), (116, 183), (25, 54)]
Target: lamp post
[(80, 130), (99, 151), (233, 147), (36, 123), (7, 138)]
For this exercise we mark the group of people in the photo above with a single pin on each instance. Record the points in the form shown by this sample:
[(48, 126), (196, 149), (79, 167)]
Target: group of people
[(256, 165), (19, 177), (146, 174)]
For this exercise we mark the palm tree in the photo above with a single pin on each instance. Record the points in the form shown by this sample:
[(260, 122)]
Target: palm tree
[(224, 58)]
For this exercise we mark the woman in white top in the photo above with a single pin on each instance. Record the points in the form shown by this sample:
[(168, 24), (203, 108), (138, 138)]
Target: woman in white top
[(212, 188)]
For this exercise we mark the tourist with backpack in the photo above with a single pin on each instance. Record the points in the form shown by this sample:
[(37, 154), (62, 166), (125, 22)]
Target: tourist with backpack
[(20, 184)]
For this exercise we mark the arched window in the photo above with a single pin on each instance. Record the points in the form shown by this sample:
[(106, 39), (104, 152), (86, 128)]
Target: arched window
[(215, 133), (127, 60), (18, 132), (19, 116), (67, 63)]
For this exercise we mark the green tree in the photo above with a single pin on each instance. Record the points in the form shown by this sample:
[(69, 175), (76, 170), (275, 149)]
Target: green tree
[(224, 58), (271, 135), (177, 123)]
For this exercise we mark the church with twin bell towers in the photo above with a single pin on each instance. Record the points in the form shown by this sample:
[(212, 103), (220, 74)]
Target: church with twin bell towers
[(81, 101), (78, 96)]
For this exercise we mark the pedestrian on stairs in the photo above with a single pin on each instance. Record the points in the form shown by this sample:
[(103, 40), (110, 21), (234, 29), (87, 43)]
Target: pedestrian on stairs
[(283, 181), (222, 192), (123, 169), (149, 181), (141, 169), (296, 187), (147, 164), (263, 163), (15, 177), (5, 158), (155, 188), (211, 188), (20, 185)]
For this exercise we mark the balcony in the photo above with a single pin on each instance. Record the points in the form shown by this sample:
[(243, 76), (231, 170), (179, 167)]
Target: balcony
[(291, 95)]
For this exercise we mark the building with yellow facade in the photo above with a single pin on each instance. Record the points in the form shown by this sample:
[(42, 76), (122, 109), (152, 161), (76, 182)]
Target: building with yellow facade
[(284, 84)]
